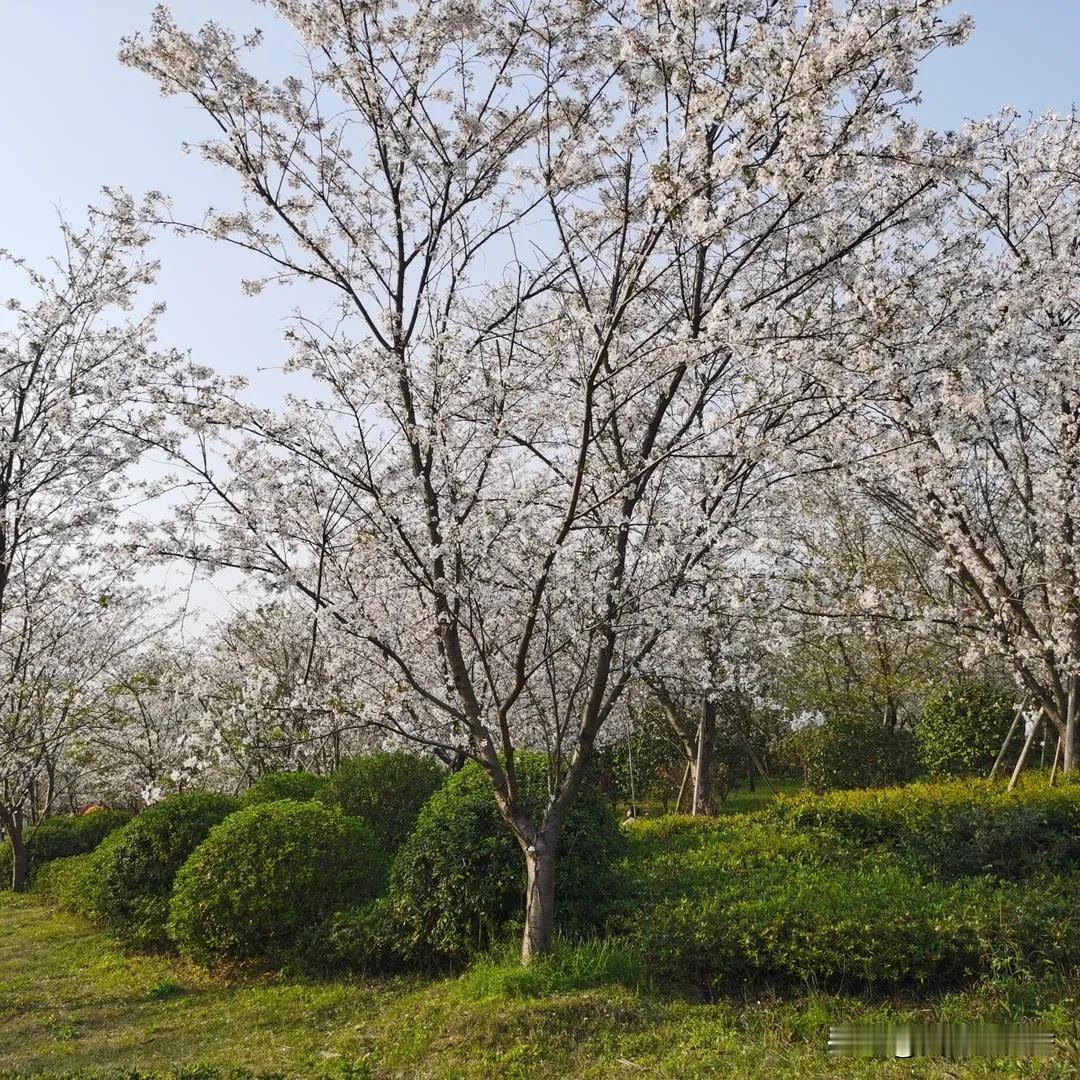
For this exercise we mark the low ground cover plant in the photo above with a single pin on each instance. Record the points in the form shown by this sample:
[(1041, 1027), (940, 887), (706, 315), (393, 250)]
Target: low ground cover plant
[(952, 829), (907, 887)]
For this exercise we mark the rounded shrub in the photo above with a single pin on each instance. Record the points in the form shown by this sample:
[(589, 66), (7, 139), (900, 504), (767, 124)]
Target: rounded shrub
[(67, 882), (268, 874), (133, 869), (849, 751), (458, 882), (385, 790), (275, 786), (962, 728)]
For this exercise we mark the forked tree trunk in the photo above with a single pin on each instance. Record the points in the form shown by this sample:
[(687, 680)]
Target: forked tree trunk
[(539, 900)]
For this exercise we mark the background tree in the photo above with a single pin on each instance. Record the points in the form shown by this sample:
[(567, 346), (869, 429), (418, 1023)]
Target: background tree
[(74, 387), (970, 431)]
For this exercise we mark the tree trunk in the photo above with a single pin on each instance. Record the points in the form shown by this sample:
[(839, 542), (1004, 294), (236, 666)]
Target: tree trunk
[(706, 737), (1069, 748), (539, 900), (20, 863)]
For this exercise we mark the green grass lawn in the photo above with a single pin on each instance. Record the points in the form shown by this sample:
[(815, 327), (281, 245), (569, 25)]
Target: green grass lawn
[(73, 1003)]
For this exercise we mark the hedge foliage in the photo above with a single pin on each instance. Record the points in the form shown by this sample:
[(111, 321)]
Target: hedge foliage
[(962, 728), (385, 790), (851, 751), (275, 786), (457, 884), (62, 836), (266, 875), (952, 829), (131, 876), (834, 891)]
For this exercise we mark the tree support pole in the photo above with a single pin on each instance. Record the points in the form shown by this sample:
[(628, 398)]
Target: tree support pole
[(1027, 747), (682, 787), (1008, 738), (754, 758), (696, 803)]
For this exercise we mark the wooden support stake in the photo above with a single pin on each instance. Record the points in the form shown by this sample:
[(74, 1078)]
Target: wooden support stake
[(1057, 754), (753, 757), (1068, 755), (1008, 738), (1027, 746), (682, 787)]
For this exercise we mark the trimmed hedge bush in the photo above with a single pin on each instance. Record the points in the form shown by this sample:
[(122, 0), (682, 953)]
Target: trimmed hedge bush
[(457, 884), (952, 829), (61, 836), (132, 873), (68, 882), (853, 752), (268, 874), (385, 790), (962, 728), (275, 786), (743, 901)]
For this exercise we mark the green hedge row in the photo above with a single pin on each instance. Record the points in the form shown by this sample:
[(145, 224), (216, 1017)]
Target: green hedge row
[(951, 829), (931, 884), (922, 885), (62, 836)]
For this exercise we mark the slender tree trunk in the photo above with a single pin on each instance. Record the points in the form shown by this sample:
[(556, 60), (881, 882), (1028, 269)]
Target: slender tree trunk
[(12, 822), (20, 864), (539, 900), (1068, 757), (20, 869), (703, 797)]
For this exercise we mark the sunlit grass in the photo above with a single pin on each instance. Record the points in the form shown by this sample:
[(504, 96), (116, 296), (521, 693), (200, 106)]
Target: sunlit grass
[(73, 1004)]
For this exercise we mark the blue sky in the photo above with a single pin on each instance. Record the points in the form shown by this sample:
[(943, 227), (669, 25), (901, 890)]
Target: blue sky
[(73, 119)]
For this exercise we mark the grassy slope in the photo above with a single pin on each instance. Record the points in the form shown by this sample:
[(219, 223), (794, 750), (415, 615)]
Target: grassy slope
[(70, 999)]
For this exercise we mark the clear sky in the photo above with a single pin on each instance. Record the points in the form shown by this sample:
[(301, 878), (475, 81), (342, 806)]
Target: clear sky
[(73, 119)]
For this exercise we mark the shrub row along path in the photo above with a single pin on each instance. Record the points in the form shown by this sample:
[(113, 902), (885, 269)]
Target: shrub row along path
[(74, 1004)]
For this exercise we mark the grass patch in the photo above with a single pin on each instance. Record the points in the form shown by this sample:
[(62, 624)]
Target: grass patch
[(569, 967)]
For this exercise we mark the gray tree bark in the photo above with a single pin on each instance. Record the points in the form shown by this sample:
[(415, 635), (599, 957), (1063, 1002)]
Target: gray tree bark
[(539, 900), (706, 737), (1069, 740)]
